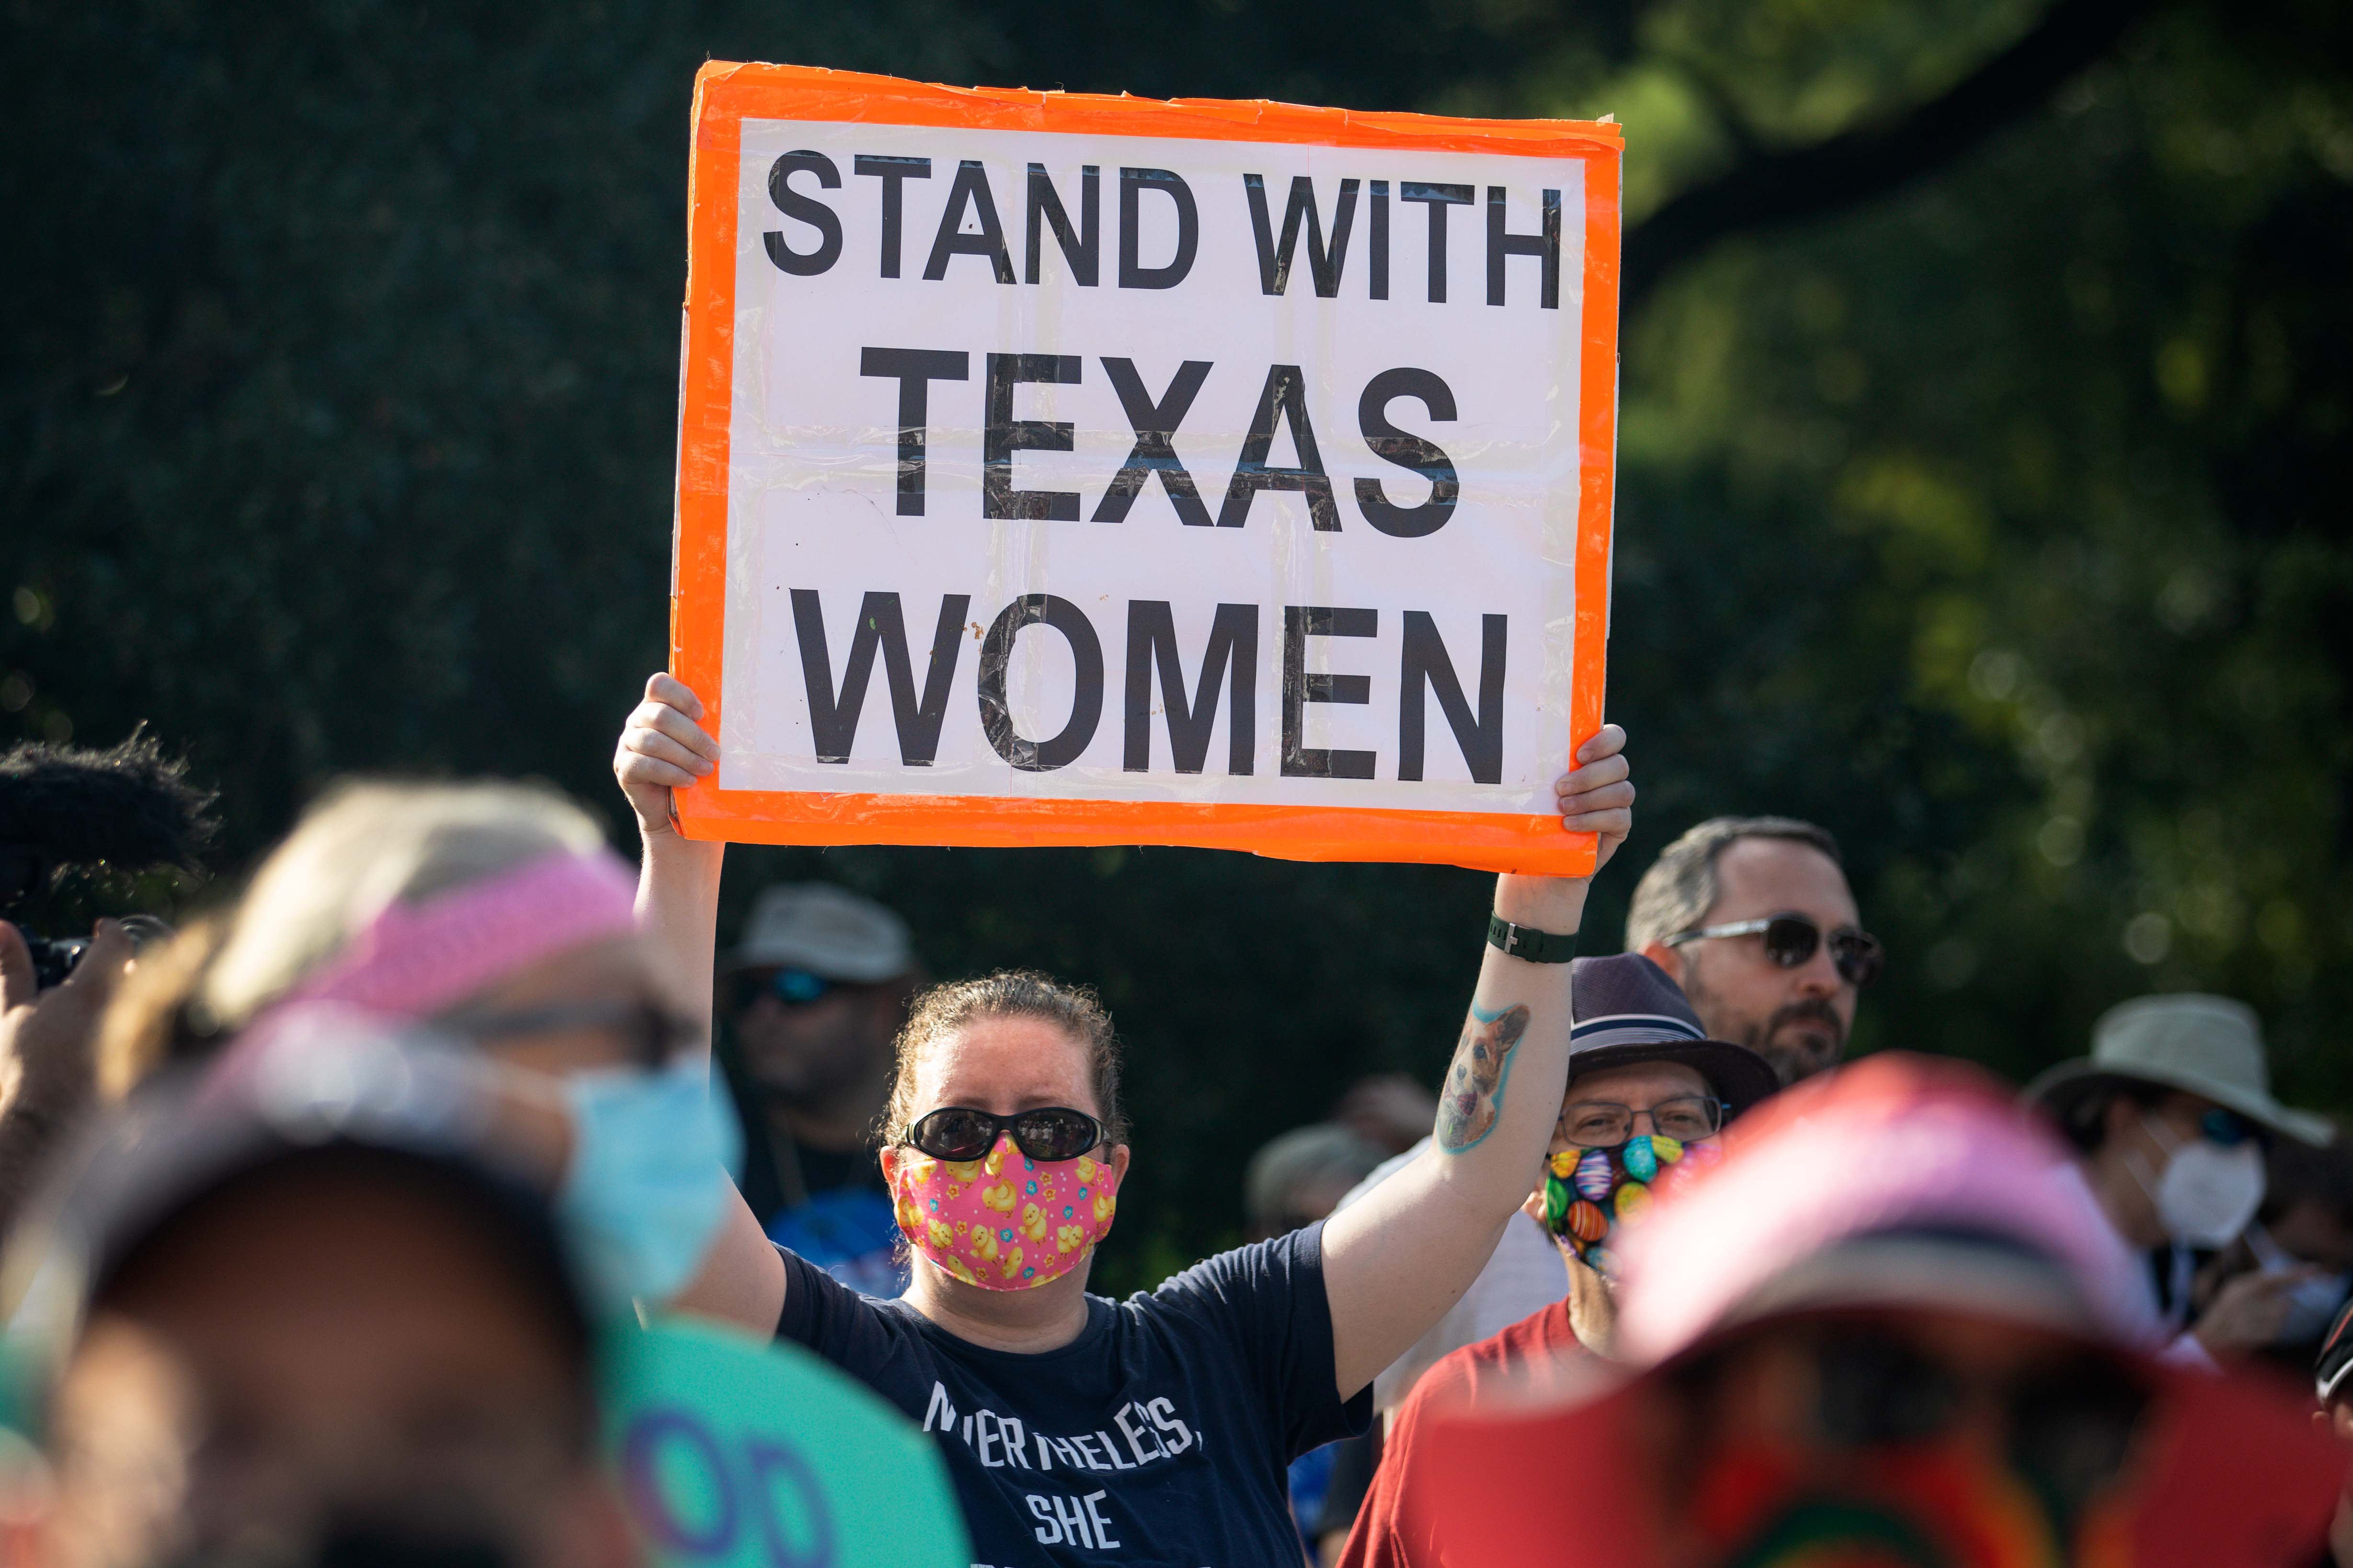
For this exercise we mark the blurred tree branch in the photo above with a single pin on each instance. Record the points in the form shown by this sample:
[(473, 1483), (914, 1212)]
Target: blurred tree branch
[(1771, 188)]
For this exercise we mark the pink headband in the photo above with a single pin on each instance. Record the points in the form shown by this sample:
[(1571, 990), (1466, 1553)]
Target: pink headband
[(415, 960)]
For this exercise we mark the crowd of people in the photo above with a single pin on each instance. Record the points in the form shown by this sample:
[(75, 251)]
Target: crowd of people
[(322, 1216)]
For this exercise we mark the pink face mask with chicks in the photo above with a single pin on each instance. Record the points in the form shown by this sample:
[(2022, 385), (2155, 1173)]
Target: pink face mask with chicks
[(1005, 1222)]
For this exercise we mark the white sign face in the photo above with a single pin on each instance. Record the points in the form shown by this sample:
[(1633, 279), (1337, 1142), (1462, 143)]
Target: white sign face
[(1142, 468)]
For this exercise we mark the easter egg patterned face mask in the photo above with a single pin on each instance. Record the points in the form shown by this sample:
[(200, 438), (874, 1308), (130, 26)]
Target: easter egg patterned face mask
[(1590, 1193), (1005, 1222)]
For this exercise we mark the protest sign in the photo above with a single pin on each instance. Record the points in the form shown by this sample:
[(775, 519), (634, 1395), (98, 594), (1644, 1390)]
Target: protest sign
[(1069, 470), (732, 1451)]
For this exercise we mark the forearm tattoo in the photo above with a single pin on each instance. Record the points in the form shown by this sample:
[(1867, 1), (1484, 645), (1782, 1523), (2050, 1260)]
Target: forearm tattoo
[(1473, 1100)]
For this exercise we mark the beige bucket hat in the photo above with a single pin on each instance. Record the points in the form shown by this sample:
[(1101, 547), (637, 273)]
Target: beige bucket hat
[(2208, 1046)]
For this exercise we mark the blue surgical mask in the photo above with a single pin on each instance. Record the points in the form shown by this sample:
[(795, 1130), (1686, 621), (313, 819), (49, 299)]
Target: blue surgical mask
[(647, 1185), (2312, 1304)]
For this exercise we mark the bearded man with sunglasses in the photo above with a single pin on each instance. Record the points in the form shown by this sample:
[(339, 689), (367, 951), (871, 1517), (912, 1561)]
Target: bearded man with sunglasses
[(1752, 916)]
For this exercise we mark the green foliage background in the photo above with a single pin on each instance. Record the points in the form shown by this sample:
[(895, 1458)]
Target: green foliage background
[(2000, 523)]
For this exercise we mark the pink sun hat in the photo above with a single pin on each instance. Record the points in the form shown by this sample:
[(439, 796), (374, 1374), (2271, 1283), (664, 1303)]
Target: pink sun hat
[(1899, 1180)]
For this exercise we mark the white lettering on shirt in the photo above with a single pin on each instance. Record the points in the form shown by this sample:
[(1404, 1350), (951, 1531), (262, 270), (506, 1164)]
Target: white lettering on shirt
[(1149, 1432), (989, 1428), (1105, 1540), (1163, 1416), (1075, 1528), (940, 1410), (1135, 1438)]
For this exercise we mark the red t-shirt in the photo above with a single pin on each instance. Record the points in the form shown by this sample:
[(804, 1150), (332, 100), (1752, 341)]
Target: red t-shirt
[(1475, 1374)]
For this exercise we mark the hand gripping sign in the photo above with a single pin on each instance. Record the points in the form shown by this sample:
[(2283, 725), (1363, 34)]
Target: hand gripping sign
[(1069, 470), (730, 1450)]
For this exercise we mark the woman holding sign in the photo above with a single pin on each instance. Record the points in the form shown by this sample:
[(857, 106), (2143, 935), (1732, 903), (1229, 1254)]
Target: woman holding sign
[(1157, 1429)]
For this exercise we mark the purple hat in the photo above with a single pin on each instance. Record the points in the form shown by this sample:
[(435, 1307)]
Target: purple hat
[(1624, 1010)]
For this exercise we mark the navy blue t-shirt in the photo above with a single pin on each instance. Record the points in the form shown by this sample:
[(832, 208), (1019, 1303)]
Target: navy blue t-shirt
[(1158, 1438)]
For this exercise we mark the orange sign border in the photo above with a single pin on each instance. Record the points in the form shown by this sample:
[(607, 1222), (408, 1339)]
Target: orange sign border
[(725, 94)]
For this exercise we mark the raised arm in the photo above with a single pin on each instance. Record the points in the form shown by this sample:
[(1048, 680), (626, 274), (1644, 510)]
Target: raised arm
[(663, 748), (1397, 1259)]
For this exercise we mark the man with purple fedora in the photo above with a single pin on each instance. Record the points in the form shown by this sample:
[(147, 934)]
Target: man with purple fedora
[(1648, 1095)]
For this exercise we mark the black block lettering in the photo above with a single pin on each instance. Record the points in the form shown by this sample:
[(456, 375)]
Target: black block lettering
[(1379, 241), (1300, 621), (1154, 451), (807, 210), (1407, 450), (1083, 250), (1438, 197), (1426, 663), (1233, 647), (1502, 245), (1004, 436), (1086, 701), (891, 172), (1285, 393), (1274, 256), (969, 191), (915, 369), (833, 720), (1133, 184)]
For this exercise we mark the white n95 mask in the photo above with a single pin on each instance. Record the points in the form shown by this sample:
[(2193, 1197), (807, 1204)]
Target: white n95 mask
[(2208, 1193)]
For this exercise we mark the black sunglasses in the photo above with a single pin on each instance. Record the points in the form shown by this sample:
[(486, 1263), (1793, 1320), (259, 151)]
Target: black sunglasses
[(791, 987), (654, 1033), (2069, 1425), (959, 1132), (1791, 939)]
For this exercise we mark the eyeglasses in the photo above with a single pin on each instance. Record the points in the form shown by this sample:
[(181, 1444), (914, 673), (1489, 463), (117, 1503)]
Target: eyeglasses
[(961, 1133), (653, 1033), (789, 987), (1791, 939), (1599, 1124)]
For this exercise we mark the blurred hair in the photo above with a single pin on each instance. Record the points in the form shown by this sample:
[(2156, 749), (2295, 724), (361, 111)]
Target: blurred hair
[(1324, 1153), (944, 1009), (363, 846), (2298, 1172), (146, 1027), (2085, 1125), (1675, 894)]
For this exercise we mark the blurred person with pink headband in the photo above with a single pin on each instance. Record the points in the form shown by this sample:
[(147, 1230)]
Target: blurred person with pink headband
[(495, 913), (312, 1305), (1886, 1329), (1157, 1429)]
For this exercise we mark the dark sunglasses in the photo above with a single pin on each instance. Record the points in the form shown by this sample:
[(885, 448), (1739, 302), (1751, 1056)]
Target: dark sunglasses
[(654, 1035), (1792, 940), (959, 1132), (790, 987), (2070, 1424), (2227, 1128)]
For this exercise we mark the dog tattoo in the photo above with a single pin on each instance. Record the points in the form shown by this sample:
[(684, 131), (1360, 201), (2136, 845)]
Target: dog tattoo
[(1475, 1084)]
